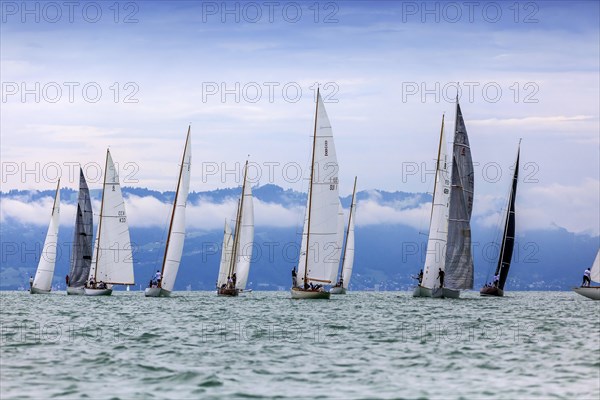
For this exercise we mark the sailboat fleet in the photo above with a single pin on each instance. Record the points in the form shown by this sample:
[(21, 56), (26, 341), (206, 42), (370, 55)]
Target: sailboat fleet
[(326, 256)]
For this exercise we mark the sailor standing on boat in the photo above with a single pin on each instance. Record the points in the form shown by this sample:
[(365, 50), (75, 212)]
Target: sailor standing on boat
[(441, 277), (294, 277), (586, 277), (30, 282), (496, 280)]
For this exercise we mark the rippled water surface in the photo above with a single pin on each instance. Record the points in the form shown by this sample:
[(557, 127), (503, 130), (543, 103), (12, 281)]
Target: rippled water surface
[(362, 345)]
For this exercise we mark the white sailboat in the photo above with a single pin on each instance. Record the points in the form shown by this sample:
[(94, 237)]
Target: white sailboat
[(348, 260), (320, 231), (435, 258), (42, 283), (81, 254), (237, 249), (592, 292), (112, 262), (176, 235)]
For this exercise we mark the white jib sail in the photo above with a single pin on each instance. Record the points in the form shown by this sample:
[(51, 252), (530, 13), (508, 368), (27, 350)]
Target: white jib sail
[(322, 232), (45, 269), (340, 242), (246, 240), (112, 261), (176, 236), (595, 275), (435, 257), (349, 251), (226, 253)]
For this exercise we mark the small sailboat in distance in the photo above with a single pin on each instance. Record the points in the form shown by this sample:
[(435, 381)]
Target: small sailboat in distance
[(176, 236), (81, 254), (237, 249), (592, 292), (320, 230), (42, 283), (112, 262), (508, 241), (348, 258)]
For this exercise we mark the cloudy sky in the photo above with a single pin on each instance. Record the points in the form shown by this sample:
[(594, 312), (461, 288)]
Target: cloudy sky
[(77, 79)]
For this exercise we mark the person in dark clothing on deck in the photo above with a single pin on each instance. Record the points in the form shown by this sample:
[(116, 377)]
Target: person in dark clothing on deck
[(441, 275)]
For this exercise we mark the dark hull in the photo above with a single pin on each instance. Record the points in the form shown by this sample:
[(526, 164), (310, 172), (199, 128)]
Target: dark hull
[(228, 292), (491, 291)]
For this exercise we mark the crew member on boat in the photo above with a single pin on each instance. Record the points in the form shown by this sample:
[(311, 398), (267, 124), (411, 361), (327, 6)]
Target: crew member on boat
[(496, 280), (441, 277), (294, 277), (67, 279), (586, 277), (30, 282), (157, 277)]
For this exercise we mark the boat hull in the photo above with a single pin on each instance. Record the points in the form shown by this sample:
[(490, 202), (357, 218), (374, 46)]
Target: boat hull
[(436, 293), (75, 291), (228, 292), (298, 293), (34, 290), (491, 291), (338, 290), (156, 292), (591, 292), (97, 292)]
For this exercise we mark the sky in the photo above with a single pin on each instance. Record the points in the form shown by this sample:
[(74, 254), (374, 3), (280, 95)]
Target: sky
[(133, 75)]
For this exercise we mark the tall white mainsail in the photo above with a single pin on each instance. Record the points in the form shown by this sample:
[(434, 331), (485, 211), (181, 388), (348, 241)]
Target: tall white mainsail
[(435, 258), (45, 269), (245, 240), (112, 262), (176, 235), (348, 260), (226, 253), (320, 230)]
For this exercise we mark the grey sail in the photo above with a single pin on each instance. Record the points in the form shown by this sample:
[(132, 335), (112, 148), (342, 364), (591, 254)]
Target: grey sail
[(459, 258), (81, 254)]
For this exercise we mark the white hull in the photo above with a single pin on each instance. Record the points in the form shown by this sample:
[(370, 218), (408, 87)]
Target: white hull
[(298, 293), (76, 291), (156, 292), (97, 292), (436, 293), (38, 291), (337, 290), (592, 292)]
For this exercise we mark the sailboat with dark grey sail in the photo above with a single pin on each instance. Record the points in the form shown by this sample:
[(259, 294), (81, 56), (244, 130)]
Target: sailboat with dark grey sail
[(176, 236), (508, 241), (348, 258), (458, 274), (81, 254), (112, 262), (320, 232), (237, 247), (42, 283)]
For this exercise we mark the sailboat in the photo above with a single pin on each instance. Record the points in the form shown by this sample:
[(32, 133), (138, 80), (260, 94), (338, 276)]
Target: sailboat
[(348, 259), (321, 220), (592, 292), (508, 241), (435, 257), (459, 258), (81, 255), (112, 262), (237, 248), (42, 283), (176, 235)]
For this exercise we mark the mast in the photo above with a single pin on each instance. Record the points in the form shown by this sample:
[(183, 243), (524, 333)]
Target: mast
[(312, 173), (508, 237), (100, 216), (162, 271), (348, 230), (238, 224)]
